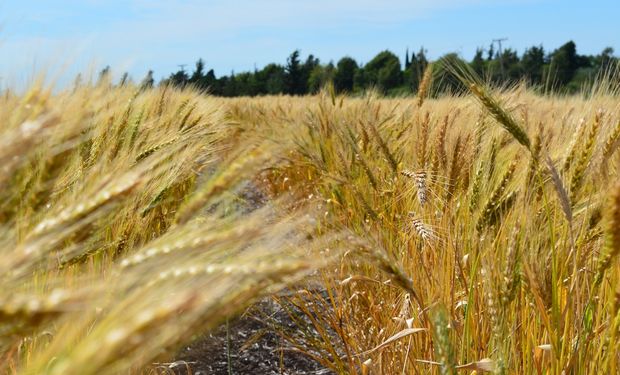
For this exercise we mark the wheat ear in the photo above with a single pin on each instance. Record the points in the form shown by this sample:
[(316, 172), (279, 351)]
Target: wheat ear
[(500, 115)]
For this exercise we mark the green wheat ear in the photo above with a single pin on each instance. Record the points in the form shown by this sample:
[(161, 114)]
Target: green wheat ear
[(470, 79), (500, 114)]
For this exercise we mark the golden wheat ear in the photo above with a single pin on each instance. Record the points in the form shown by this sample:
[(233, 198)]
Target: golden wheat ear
[(420, 182), (423, 230), (613, 235), (425, 84)]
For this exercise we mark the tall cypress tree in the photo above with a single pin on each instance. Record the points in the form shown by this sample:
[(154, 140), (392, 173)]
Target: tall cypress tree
[(294, 75), (407, 63)]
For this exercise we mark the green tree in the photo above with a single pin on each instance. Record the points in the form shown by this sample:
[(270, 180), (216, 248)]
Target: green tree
[(564, 63), (505, 67), (511, 65), (413, 74), (407, 62), (384, 71), (478, 64), (320, 76), (491, 52), (306, 70), (198, 73), (606, 59), (246, 84), (209, 83), (532, 64), (360, 80), (179, 79), (272, 79), (229, 85), (345, 74), (294, 78)]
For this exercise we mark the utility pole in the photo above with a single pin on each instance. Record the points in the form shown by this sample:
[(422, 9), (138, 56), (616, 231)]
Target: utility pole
[(501, 61), (182, 66)]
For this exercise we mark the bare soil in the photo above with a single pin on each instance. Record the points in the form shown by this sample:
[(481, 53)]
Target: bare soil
[(246, 346)]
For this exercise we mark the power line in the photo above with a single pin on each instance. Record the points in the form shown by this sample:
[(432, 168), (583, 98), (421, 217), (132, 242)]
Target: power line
[(501, 60)]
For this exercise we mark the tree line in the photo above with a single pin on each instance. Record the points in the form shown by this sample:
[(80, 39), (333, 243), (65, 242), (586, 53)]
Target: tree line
[(562, 70)]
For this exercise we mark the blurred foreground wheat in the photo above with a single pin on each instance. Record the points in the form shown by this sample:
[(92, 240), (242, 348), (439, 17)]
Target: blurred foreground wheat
[(122, 231)]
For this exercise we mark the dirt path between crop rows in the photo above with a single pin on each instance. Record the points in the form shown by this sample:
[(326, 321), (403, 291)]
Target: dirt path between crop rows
[(224, 350), (213, 353)]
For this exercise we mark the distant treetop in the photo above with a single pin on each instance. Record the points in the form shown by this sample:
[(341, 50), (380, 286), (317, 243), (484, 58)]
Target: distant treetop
[(561, 70)]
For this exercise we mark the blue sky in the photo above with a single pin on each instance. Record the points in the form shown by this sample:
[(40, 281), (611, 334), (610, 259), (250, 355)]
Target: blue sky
[(64, 37)]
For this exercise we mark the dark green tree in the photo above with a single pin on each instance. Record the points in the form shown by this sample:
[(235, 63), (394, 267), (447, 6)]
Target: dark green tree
[(320, 76), (532, 64), (407, 62), (360, 80), (345, 74), (306, 70), (229, 85), (478, 64), (491, 53), (421, 62), (413, 75), (272, 79), (606, 59), (198, 73), (383, 71), (564, 63), (510, 63), (295, 84), (210, 83), (246, 85), (179, 79)]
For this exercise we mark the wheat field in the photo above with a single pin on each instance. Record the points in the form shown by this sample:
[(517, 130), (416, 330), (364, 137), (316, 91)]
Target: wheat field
[(459, 234)]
